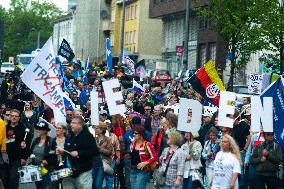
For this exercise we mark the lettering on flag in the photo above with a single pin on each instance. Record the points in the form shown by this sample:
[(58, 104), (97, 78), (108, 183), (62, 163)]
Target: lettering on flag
[(66, 51), (42, 77)]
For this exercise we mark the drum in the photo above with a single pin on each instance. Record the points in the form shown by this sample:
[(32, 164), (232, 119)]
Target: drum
[(29, 173), (59, 174)]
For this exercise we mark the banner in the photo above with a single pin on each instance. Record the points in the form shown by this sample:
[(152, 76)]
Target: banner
[(42, 77), (254, 83), (129, 63), (207, 83), (276, 91), (108, 56), (140, 69), (66, 51)]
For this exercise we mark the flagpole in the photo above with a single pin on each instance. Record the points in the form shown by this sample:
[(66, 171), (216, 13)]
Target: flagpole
[(122, 31), (186, 36)]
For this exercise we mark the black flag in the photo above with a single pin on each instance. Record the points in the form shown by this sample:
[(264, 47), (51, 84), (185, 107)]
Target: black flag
[(66, 51)]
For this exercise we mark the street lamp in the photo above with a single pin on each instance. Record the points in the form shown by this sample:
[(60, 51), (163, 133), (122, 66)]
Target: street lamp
[(122, 31), (186, 36), (38, 37)]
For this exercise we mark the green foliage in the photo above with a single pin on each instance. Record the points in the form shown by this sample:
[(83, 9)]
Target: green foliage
[(23, 21)]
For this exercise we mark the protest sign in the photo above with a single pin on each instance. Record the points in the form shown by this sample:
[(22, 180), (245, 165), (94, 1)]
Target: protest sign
[(254, 83), (66, 51), (114, 99), (42, 77), (226, 108), (190, 114), (94, 108)]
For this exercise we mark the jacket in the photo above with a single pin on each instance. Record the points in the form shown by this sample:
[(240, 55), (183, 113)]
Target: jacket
[(87, 148), (143, 157), (49, 151), (2, 136), (15, 135), (157, 140), (273, 160), (214, 149), (194, 149), (105, 148)]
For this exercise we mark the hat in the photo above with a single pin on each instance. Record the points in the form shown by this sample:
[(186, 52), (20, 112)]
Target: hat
[(42, 126), (102, 126)]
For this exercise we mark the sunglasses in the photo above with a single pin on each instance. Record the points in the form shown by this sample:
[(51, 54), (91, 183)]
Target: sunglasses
[(136, 133)]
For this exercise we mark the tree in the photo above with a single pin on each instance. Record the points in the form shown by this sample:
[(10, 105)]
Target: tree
[(235, 22), (270, 22), (23, 21)]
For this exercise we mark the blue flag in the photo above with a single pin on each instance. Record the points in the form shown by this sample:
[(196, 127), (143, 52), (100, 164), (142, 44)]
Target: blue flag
[(85, 77), (276, 91), (108, 56), (69, 105)]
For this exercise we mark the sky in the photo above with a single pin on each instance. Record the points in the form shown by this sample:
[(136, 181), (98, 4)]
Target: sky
[(62, 4)]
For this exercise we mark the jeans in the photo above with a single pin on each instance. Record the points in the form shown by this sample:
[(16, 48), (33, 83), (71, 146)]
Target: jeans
[(259, 182), (127, 177), (13, 175), (138, 178), (44, 183), (172, 187), (83, 181), (209, 175), (109, 179), (98, 177), (187, 183), (243, 177)]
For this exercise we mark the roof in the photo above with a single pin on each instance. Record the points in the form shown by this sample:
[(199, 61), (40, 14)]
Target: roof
[(65, 17)]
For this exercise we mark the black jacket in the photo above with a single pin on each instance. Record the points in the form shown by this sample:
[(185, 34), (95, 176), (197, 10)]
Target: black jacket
[(87, 148), (15, 135), (49, 151)]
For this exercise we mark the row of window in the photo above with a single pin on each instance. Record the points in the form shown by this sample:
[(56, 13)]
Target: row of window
[(131, 12), (130, 37), (64, 29), (204, 55)]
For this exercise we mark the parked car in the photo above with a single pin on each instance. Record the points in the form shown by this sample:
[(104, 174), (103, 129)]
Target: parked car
[(7, 67), (160, 76)]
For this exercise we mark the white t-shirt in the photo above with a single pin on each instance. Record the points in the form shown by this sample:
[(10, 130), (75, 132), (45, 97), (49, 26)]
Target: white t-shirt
[(225, 164)]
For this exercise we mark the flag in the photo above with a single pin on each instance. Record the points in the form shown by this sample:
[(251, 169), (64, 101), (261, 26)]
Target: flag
[(66, 51), (43, 78), (69, 105), (207, 83), (129, 63), (137, 87), (66, 85), (85, 77), (140, 69), (108, 56), (276, 91)]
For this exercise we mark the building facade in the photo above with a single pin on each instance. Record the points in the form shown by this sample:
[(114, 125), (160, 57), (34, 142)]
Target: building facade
[(64, 29), (204, 44), (92, 22)]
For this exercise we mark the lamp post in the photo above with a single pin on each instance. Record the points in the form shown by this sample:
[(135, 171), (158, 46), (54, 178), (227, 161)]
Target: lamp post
[(186, 36), (122, 31), (38, 37)]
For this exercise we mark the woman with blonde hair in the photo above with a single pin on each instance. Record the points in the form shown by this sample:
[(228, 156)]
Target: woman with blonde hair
[(227, 165), (172, 162)]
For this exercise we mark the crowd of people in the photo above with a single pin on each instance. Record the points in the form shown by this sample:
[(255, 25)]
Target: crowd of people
[(129, 151)]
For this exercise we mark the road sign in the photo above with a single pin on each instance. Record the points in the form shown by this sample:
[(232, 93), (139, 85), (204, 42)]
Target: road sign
[(179, 50)]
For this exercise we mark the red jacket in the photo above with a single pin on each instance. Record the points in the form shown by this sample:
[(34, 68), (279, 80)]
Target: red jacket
[(143, 157), (157, 139)]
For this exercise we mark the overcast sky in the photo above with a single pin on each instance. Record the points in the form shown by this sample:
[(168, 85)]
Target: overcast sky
[(62, 4)]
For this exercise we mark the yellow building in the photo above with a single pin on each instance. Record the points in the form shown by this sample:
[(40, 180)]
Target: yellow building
[(142, 35)]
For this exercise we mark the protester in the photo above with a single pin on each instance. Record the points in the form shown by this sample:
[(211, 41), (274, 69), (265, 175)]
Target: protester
[(227, 165), (43, 151), (266, 157), (139, 176), (210, 150), (29, 117), (17, 149), (174, 157), (81, 148), (192, 151)]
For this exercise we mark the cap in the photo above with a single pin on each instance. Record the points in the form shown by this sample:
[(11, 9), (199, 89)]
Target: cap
[(42, 126)]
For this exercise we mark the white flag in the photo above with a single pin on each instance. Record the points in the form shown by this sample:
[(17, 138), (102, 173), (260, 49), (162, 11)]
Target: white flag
[(42, 77)]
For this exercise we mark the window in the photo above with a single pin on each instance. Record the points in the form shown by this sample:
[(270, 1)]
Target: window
[(202, 54), (125, 38), (126, 14), (130, 38), (203, 23), (212, 51), (134, 36), (132, 12), (113, 15), (136, 12)]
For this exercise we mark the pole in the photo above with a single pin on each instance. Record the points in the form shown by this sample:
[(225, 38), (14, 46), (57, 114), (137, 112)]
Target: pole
[(186, 36), (38, 39), (122, 31)]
